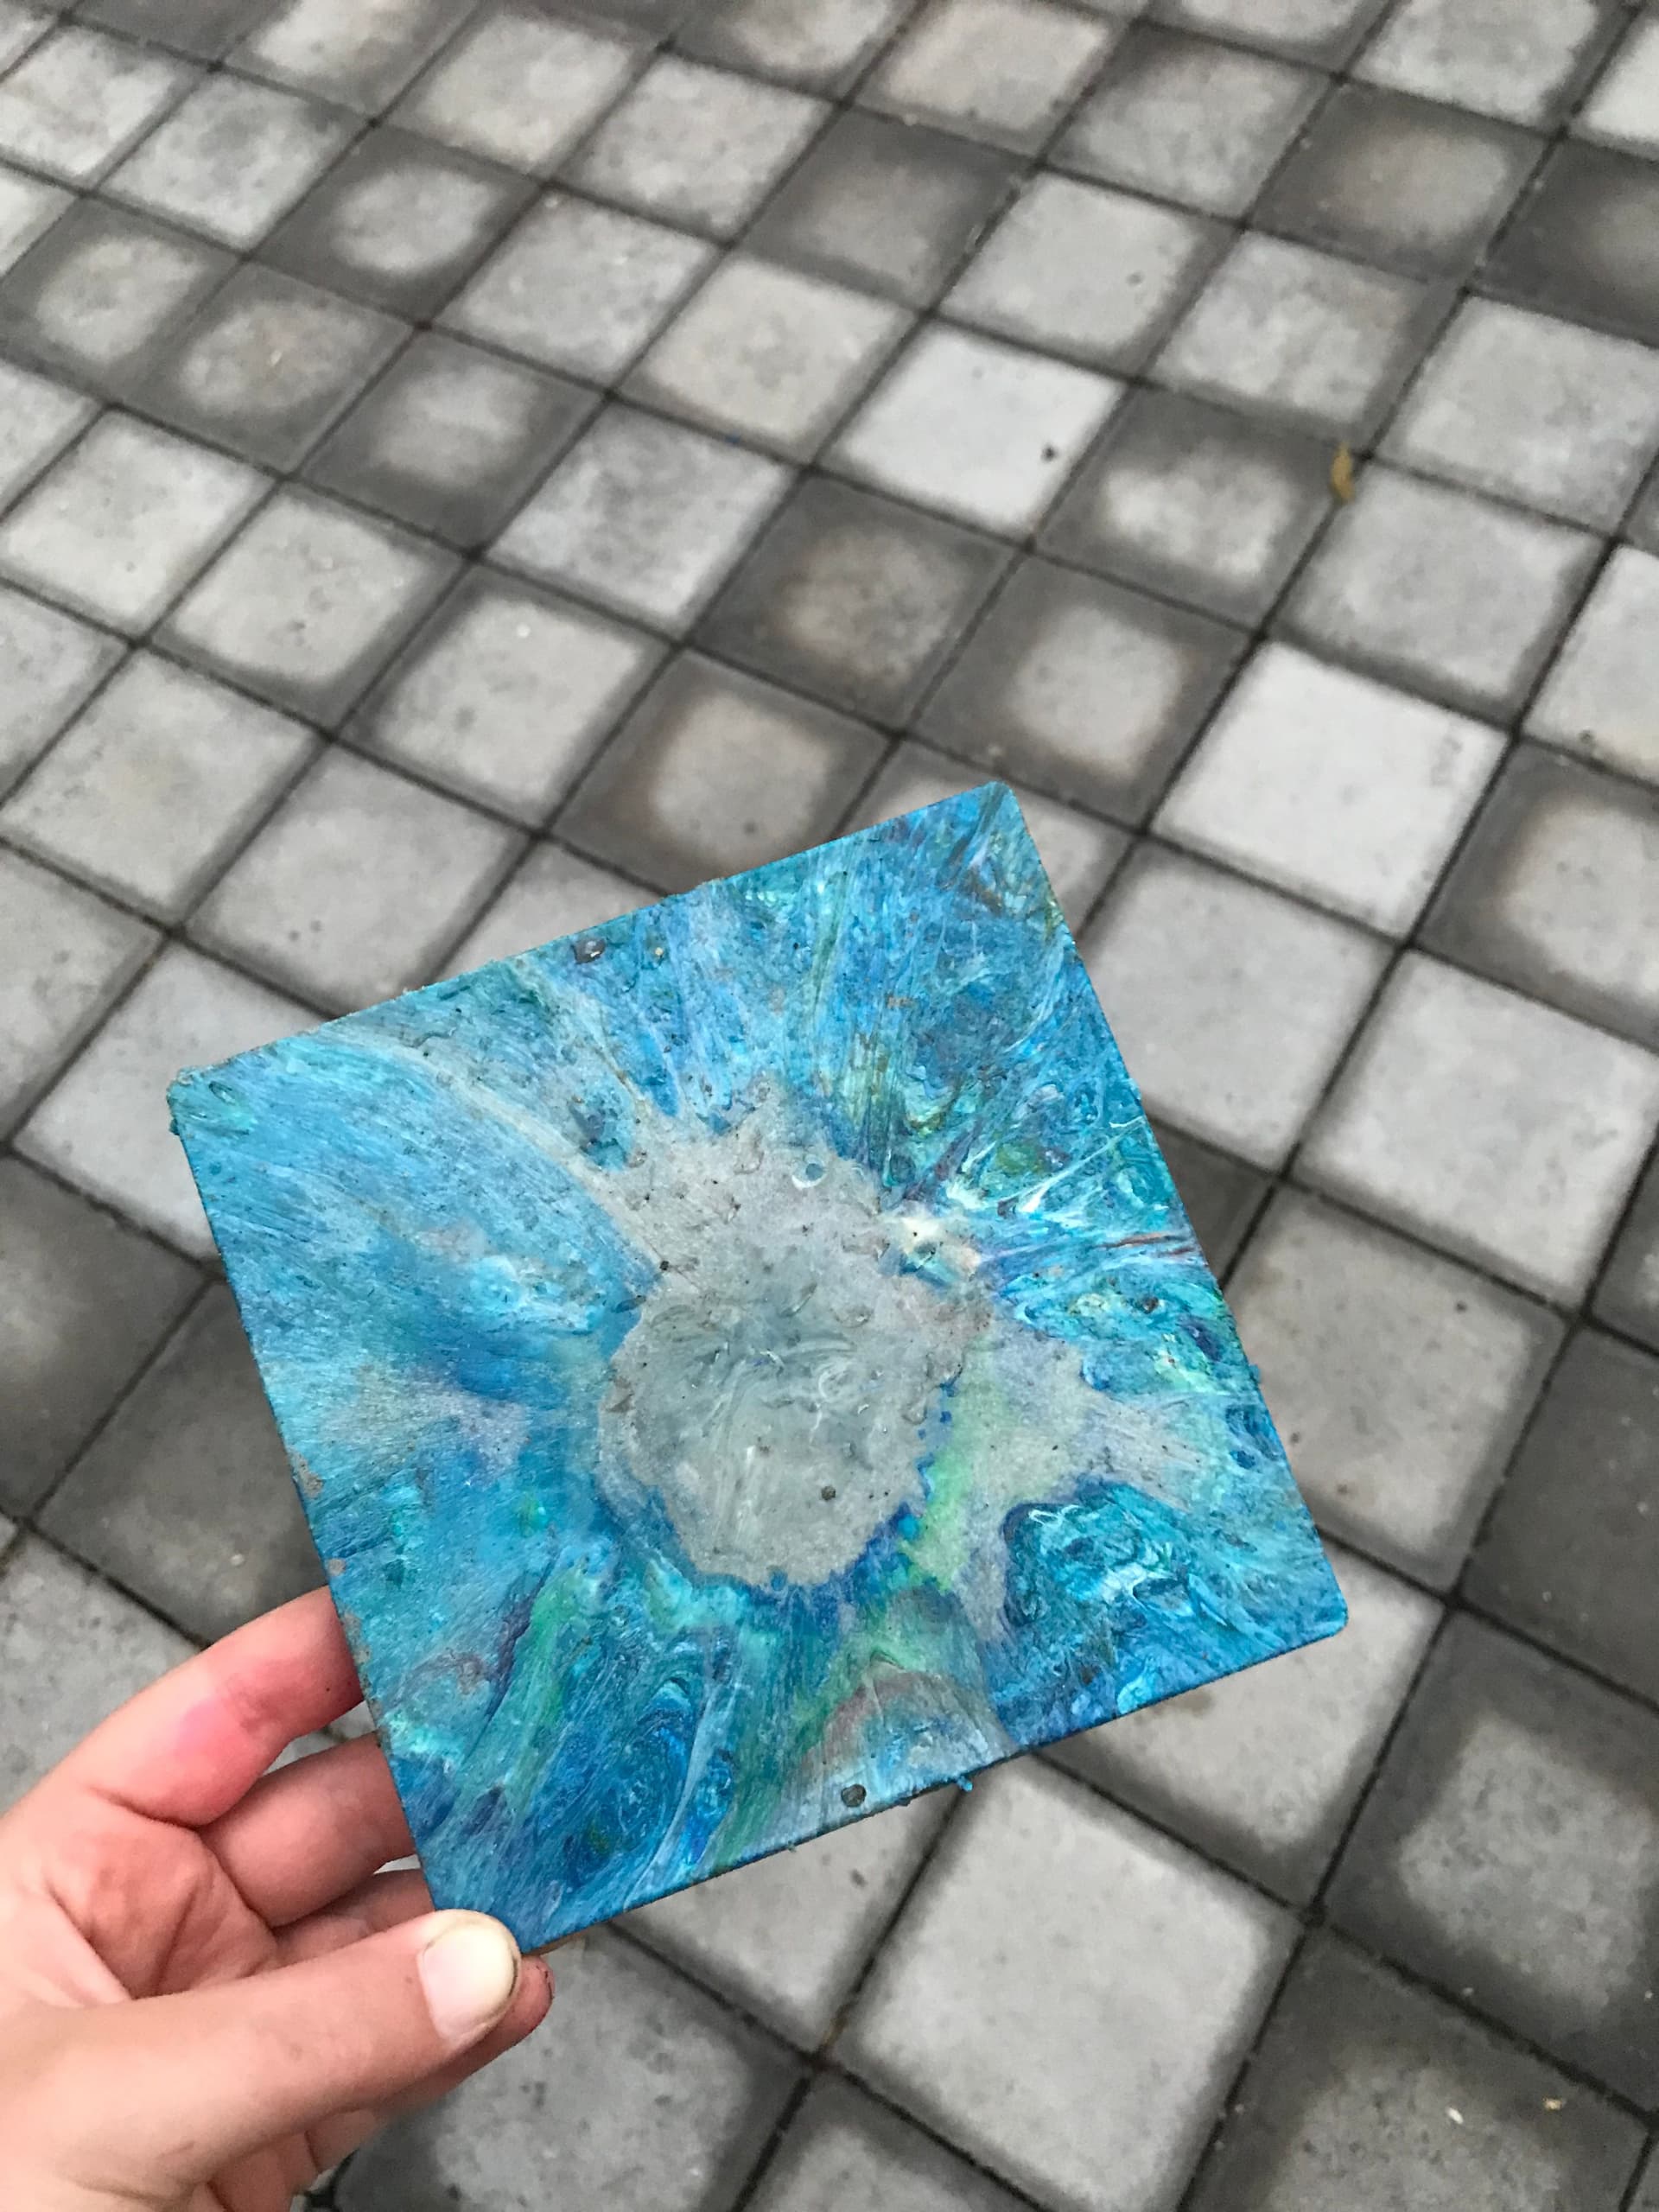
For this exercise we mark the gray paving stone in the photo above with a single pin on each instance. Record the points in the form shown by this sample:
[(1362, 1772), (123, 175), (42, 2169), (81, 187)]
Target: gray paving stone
[(1089, 690), (1627, 1297), (104, 1126), (55, 1687), (37, 420), (84, 1302), (520, 87), (1001, 70), (1442, 590), (1115, 1981), (821, 44), (714, 773), (1263, 1770), (1333, 786), (1370, 2094), (364, 55), (308, 604), (1516, 58), (853, 599), (1400, 181), (846, 2153), (232, 159), (1221, 1194), (1585, 243), (202, 30), (1188, 120), (1503, 1130), (554, 894), (75, 104), (21, 27), (268, 365), (69, 955), (185, 1498), (155, 784), (399, 223), (28, 205), (119, 526), (1557, 891), (637, 2091), (888, 206), (1571, 1554), (1624, 109), (1597, 697), (789, 1937), (506, 696), (1510, 1850), (644, 517), (357, 885), (451, 439), (1322, 30), (49, 662), (1197, 503), (1398, 1381), (1647, 2197)]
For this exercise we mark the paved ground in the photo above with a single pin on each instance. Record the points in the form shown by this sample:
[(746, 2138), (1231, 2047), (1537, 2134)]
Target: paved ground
[(464, 467)]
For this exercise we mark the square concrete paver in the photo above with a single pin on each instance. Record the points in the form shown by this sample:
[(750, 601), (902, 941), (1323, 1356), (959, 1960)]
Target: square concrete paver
[(846, 2153)]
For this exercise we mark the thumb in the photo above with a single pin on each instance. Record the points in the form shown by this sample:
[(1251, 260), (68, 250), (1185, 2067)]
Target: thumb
[(178, 2087)]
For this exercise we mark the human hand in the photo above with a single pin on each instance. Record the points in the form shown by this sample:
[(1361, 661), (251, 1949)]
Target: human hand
[(208, 1995)]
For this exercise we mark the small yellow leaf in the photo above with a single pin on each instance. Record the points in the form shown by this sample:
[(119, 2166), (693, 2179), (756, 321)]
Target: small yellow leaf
[(1342, 474)]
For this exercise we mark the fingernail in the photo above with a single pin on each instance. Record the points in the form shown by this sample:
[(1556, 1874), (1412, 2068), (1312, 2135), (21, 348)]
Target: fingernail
[(468, 1972)]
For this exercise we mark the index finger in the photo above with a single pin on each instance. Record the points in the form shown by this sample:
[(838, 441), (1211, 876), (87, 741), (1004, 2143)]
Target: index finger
[(187, 1748)]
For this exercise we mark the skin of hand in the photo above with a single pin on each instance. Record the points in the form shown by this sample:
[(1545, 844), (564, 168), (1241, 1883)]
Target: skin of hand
[(208, 1994)]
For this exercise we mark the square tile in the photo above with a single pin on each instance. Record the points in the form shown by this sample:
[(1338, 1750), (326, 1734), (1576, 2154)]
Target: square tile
[(695, 145), (308, 604), (58, 1687), (120, 525), (1200, 503), (21, 27), (1263, 1770), (1221, 1196), (86, 1301), (1317, 340), (1557, 892), (75, 104), (1077, 853), (202, 30), (1115, 1981), (644, 517), (1598, 699), (1628, 1296), (788, 1937), (981, 431), (1001, 70), (1369, 2092), (1320, 30), (554, 894), (450, 439), (1398, 1381), (1516, 58), (185, 1498), (889, 206), (579, 288), (1188, 120), (363, 56), (156, 784), (1444, 591), (1496, 1128), (1535, 410), (69, 956), (357, 885), (1585, 243), (1231, 1006), (1571, 1555), (1647, 2197), (1091, 691), (776, 356), (1510, 1850), (399, 223), (37, 420), (268, 365), (103, 292), (28, 205), (1400, 181), (853, 599), (1624, 109), (520, 87), (506, 696), (49, 662), (1075, 269), (1333, 786), (716, 772), (846, 2153), (822, 44), (232, 159), (637, 2090), (105, 1128)]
